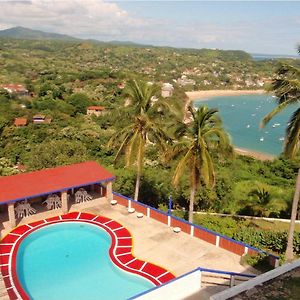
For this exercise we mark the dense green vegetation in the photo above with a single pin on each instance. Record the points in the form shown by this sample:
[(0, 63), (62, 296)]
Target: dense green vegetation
[(66, 77), (270, 238)]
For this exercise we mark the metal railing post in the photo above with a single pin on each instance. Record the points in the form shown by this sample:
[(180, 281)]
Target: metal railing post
[(232, 280), (200, 278)]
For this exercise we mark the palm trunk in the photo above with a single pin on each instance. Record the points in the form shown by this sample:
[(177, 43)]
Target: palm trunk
[(139, 173), (289, 255), (191, 206), (137, 186)]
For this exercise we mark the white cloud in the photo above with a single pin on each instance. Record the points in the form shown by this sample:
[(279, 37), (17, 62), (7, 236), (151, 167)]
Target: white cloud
[(77, 17), (103, 20)]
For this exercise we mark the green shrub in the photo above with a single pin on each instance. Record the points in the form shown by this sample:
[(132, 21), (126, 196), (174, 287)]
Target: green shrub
[(244, 231), (259, 262)]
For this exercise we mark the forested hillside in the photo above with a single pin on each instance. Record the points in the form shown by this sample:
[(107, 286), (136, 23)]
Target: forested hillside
[(64, 78)]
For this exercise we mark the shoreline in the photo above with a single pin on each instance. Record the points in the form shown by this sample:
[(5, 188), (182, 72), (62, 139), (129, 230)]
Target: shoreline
[(254, 154), (197, 95)]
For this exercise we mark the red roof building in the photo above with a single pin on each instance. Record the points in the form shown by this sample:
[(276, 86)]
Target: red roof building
[(32, 184), (95, 110), (18, 89), (60, 180), (19, 122)]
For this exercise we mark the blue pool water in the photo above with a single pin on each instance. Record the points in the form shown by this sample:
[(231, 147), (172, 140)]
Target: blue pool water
[(242, 115), (70, 261)]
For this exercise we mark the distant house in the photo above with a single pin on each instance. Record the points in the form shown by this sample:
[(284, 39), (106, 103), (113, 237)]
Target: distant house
[(121, 85), (167, 90), (183, 80), (16, 89), (41, 119), (19, 122), (95, 110)]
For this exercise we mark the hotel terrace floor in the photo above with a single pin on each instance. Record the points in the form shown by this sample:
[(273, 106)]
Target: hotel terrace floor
[(154, 242)]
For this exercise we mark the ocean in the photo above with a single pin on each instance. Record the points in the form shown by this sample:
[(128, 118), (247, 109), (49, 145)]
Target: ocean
[(241, 117)]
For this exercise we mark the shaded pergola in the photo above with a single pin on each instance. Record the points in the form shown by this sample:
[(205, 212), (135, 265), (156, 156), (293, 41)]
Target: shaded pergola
[(60, 180)]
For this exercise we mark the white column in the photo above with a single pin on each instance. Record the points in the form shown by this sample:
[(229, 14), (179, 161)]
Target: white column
[(11, 215), (64, 202), (109, 193), (192, 230)]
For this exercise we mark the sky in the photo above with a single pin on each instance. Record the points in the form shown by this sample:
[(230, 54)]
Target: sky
[(270, 27)]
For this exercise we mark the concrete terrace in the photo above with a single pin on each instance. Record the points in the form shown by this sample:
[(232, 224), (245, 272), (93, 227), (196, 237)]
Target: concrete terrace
[(154, 241)]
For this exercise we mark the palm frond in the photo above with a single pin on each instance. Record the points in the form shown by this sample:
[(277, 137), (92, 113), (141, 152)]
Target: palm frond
[(273, 113), (292, 141), (181, 167)]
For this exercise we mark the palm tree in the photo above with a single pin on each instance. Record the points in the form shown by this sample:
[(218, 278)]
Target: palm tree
[(196, 139), (261, 199), (145, 128), (286, 87)]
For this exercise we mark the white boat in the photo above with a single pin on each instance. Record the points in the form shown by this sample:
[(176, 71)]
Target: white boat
[(281, 139), (253, 115), (248, 126), (275, 125), (261, 139)]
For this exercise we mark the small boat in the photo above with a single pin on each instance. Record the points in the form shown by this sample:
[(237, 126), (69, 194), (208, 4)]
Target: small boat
[(266, 132), (253, 115), (275, 125), (281, 139), (232, 105), (261, 139), (248, 126)]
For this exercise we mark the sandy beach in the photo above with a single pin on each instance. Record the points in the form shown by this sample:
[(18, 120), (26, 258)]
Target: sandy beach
[(203, 95), (254, 154)]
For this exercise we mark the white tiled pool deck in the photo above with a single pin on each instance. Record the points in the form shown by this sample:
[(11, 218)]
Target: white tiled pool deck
[(178, 252), (156, 242)]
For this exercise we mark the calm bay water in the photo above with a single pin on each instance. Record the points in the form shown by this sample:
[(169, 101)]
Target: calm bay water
[(242, 115)]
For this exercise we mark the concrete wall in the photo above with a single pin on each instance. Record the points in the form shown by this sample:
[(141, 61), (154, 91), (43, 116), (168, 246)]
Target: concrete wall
[(177, 289)]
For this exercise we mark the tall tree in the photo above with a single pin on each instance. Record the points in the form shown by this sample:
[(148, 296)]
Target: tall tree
[(286, 86), (145, 128), (196, 140)]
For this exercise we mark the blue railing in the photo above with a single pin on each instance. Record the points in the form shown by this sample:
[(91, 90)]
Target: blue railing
[(226, 273), (199, 227), (220, 272)]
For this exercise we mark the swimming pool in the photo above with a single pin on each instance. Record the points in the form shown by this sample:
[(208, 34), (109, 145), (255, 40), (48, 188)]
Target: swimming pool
[(72, 258), (70, 261)]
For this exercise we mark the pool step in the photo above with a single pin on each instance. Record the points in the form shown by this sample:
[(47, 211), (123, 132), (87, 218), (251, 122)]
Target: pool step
[(3, 291)]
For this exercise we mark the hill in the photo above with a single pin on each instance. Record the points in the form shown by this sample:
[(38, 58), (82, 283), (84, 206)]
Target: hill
[(30, 34)]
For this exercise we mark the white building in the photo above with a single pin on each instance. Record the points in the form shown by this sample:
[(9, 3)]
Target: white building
[(167, 90)]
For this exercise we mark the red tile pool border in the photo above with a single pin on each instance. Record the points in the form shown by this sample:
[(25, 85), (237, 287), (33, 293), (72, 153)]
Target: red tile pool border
[(120, 251)]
